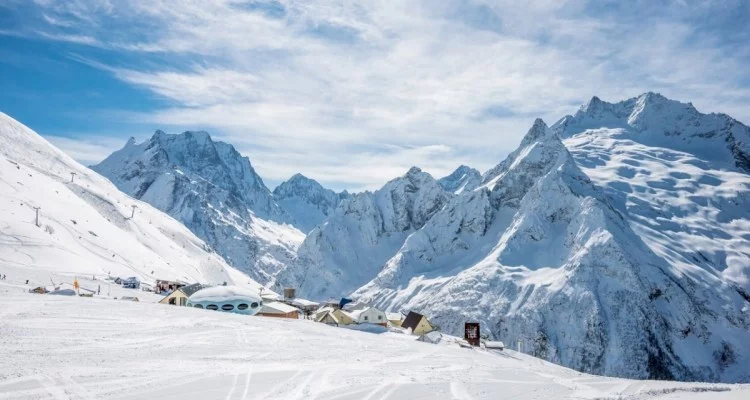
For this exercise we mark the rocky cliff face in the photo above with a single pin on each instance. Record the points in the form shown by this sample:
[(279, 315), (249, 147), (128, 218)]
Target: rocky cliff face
[(215, 192)]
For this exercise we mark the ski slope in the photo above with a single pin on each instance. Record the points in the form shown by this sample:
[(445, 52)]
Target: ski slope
[(85, 227), (77, 348)]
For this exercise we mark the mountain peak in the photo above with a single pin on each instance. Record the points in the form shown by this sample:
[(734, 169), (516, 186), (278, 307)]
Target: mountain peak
[(158, 134), (130, 142), (306, 200), (594, 104), (463, 179), (539, 131), (413, 171)]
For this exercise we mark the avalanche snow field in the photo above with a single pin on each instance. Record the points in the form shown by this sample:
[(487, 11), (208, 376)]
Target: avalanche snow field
[(93, 348)]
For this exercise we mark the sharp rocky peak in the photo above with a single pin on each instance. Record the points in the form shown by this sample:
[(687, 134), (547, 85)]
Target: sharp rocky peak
[(539, 131)]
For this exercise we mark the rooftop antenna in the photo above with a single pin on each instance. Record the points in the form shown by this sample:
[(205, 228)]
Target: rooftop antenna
[(37, 215), (72, 176), (132, 214)]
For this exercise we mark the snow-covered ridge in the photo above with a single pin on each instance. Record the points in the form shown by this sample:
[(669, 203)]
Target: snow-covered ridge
[(654, 120), (307, 201), (85, 225), (215, 192)]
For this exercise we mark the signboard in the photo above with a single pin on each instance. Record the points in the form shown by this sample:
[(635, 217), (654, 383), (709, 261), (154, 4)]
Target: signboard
[(471, 333)]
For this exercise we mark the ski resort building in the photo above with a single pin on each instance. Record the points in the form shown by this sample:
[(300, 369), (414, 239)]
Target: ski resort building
[(396, 319), (418, 323), (180, 295), (278, 309), (228, 299), (333, 316), (369, 315), (164, 286)]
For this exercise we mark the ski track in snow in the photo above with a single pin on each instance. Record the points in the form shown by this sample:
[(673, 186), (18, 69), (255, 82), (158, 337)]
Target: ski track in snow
[(77, 348)]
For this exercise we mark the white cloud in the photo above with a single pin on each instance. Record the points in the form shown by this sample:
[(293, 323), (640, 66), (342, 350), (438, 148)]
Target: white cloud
[(87, 150), (318, 88)]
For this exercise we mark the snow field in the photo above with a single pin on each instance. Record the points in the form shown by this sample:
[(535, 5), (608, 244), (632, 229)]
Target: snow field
[(79, 348)]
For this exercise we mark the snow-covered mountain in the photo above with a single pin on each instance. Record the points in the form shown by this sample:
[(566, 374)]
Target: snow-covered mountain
[(463, 179), (628, 255), (615, 242), (307, 201), (215, 192), (364, 231), (85, 226)]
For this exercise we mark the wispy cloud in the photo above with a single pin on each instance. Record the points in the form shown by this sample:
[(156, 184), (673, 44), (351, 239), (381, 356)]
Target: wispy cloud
[(354, 94), (87, 150)]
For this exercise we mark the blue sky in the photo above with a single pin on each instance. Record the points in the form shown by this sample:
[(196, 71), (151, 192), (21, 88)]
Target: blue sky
[(354, 94)]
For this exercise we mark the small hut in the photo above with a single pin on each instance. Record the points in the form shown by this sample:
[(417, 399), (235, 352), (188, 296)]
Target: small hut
[(278, 309), (418, 323)]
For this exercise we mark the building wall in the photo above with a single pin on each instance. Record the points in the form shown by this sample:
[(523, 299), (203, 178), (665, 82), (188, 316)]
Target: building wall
[(343, 318), (180, 298), (374, 316), (422, 327), (291, 315)]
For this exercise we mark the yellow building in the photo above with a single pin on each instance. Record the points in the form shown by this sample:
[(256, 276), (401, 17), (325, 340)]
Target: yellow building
[(418, 323), (333, 316)]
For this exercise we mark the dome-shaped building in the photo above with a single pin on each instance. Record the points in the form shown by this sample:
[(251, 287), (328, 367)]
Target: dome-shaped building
[(227, 298)]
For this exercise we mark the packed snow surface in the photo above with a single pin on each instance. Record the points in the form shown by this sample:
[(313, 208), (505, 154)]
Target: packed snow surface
[(76, 348)]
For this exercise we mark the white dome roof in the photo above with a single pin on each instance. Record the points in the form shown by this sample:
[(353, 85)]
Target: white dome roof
[(220, 294)]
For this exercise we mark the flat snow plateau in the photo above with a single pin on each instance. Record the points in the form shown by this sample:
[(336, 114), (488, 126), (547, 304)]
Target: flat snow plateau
[(55, 347)]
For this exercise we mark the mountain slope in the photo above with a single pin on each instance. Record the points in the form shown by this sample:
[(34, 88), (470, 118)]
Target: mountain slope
[(540, 253), (307, 201), (85, 226), (680, 175), (215, 192), (364, 231), (463, 179)]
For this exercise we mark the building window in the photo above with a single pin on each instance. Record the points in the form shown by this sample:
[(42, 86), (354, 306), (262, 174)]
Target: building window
[(365, 317), (173, 301), (242, 306), (212, 307), (198, 306), (253, 305), (380, 317), (227, 307)]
